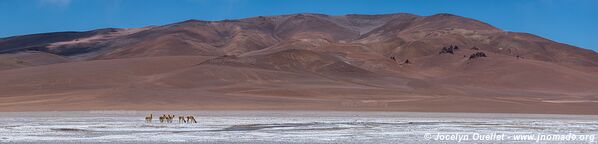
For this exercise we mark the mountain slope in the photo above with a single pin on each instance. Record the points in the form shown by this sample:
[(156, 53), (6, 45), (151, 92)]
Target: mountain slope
[(396, 62)]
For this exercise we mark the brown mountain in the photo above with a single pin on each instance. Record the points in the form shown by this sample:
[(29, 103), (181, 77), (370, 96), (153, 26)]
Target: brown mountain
[(392, 62)]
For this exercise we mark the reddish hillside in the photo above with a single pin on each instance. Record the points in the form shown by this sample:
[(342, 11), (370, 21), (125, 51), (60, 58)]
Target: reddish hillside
[(394, 62)]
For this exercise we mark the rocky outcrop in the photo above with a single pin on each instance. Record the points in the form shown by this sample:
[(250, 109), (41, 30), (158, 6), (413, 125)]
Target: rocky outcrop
[(448, 50), (477, 55)]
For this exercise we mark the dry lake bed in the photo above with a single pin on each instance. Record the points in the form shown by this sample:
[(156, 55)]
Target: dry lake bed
[(295, 127)]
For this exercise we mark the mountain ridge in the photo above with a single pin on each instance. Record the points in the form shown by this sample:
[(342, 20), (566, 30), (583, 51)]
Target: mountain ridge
[(390, 62)]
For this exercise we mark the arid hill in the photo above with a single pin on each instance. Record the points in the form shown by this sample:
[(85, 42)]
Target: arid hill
[(392, 62)]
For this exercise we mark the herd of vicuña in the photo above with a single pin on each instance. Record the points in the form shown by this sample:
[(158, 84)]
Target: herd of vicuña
[(167, 118)]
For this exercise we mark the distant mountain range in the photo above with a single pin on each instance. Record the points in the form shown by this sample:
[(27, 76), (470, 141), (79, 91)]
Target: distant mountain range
[(391, 62)]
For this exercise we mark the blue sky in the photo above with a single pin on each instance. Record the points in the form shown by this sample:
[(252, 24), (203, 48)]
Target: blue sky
[(573, 22)]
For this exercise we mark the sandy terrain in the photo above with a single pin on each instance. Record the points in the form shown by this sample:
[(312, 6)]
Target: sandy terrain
[(394, 62)]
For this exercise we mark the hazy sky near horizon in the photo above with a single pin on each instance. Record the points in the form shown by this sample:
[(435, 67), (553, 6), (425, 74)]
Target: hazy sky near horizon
[(573, 22)]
